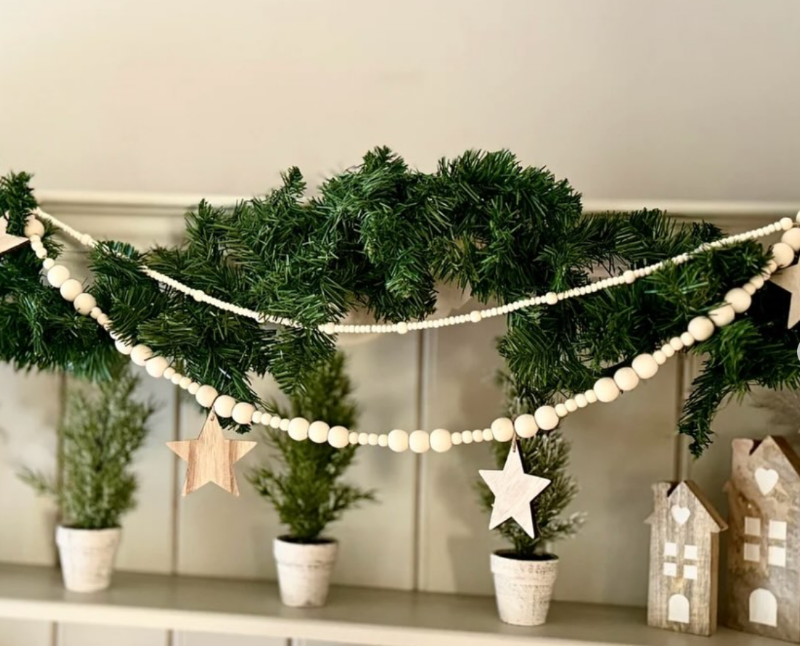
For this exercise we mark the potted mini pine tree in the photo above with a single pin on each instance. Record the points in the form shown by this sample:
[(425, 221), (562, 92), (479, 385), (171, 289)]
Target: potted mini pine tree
[(524, 575), (102, 428), (304, 485)]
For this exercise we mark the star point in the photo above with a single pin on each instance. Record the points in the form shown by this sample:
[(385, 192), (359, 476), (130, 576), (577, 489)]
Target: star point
[(788, 279)]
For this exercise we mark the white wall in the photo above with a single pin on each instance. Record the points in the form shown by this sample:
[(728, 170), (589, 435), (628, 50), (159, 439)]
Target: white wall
[(681, 100)]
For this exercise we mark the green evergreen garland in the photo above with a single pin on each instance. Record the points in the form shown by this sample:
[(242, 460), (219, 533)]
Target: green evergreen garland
[(380, 236)]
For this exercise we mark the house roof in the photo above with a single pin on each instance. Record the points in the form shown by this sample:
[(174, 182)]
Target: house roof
[(755, 447), (671, 489)]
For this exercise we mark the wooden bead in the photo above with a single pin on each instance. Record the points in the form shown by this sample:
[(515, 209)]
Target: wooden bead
[(284, 425), (466, 437), (175, 378), (687, 340), (223, 405), (185, 382), (591, 396), (318, 432), (487, 435), (757, 282), (193, 388), (606, 390), (502, 429), (383, 440), (255, 418), (477, 436), (581, 401), (571, 405), (561, 410), (525, 425), (140, 354), (645, 366), (792, 238), (58, 275), (33, 227), (738, 299), (668, 350), (782, 254), (338, 437), (676, 343), (352, 438), (660, 357), (243, 413), (84, 304), (441, 441), (456, 438), (372, 440), (275, 421), (71, 289), (363, 439), (49, 263), (169, 373), (626, 379), (749, 288), (419, 442), (785, 223), (551, 298), (156, 366), (398, 440), (298, 428), (546, 418), (206, 395), (122, 348), (721, 316)]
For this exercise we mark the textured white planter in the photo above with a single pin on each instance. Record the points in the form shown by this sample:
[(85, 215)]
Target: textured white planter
[(87, 557), (523, 588), (304, 571)]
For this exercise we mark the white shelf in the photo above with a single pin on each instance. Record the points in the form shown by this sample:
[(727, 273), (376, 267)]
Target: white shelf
[(354, 615)]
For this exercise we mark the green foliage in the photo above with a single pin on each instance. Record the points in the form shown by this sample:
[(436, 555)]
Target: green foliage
[(545, 455), (101, 431), (380, 237), (305, 485)]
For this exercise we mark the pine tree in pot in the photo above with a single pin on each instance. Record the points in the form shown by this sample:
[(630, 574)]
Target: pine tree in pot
[(524, 576), (305, 487), (102, 428)]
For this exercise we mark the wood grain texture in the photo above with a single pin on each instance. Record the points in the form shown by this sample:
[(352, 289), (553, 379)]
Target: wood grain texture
[(684, 559), (763, 563)]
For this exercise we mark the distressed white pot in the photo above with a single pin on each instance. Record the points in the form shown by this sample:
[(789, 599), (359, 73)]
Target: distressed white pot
[(523, 588), (87, 557), (304, 571)]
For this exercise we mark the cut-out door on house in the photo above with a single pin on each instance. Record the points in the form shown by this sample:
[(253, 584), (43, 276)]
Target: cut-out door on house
[(763, 608), (678, 609)]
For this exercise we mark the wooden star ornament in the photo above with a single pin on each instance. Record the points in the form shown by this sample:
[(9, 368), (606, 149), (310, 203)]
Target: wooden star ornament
[(514, 492), (789, 280), (211, 457), (7, 241)]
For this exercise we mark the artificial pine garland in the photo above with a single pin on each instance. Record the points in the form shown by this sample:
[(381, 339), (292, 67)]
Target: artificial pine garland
[(380, 237)]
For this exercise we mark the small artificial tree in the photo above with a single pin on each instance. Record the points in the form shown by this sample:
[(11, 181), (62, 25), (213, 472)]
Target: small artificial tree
[(103, 427), (545, 455), (304, 484)]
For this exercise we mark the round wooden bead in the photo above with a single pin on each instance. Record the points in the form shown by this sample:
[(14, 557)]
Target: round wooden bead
[(255, 418), (477, 436), (338, 437), (275, 421), (441, 441), (84, 304), (749, 288), (645, 366), (383, 440), (243, 413), (561, 410), (456, 438), (206, 395), (372, 439), (581, 401), (792, 238), (502, 429), (363, 439), (58, 275), (676, 343), (122, 348), (626, 379), (223, 405), (71, 289), (757, 282), (668, 350), (606, 390), (193, 388), (140, 354), (487, 435), (466, 437), (660, 357), (49, 263), (352, 438), (398, 440), (525, 425), (591, 396), (687, 339), (33, 227), (551, 298), (419, 442), (318, 432), (156, 366), (185, 382), (284, 425), (298, 428), (782, 254), (546, 418), (738, 299), (176, 378), (169, 373), (721, 316), (571, 405), (785, 223)]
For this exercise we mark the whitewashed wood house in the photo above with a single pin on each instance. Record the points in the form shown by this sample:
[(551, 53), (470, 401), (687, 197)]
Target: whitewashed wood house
[(684, 559), (763, 561)]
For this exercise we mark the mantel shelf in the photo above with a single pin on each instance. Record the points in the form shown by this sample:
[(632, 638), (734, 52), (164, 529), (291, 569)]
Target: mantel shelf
[(354, 615)]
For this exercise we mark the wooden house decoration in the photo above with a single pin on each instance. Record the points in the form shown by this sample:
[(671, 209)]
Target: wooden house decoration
[(764, 548), (684, 559)]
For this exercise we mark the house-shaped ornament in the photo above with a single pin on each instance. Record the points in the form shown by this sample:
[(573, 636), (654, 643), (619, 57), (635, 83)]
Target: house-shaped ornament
[(684, 559), (764, 548)]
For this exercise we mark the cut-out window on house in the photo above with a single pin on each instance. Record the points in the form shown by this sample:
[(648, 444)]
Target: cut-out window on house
[(752, 526)]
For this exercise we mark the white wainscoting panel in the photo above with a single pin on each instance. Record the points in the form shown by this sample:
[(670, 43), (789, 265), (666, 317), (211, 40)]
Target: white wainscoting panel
[(85, 635)]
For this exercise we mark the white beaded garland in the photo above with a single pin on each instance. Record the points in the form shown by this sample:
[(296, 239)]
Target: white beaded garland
[(626, 379), (525, 425), (243, 413), (792, 238), (738, 299), (318, 432), (398, 440), (782, 254), (223, 405), (419, 442), (606, 390), (546, 418), (645, 366), (84, 304), (339, 437), (298, 428), (156, 366), (722, 316), (205, 395), (502, 429), (70, 289), (441, 441), (140, 354)]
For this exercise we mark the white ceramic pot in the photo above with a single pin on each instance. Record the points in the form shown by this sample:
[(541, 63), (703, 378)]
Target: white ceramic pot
[(523, 588), (87, 557), (304, 571)]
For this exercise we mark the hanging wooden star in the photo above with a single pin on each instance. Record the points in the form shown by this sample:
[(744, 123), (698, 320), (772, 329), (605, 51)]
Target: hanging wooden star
[(789, 279), (211, 457), (7, 241), (514, 492)]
